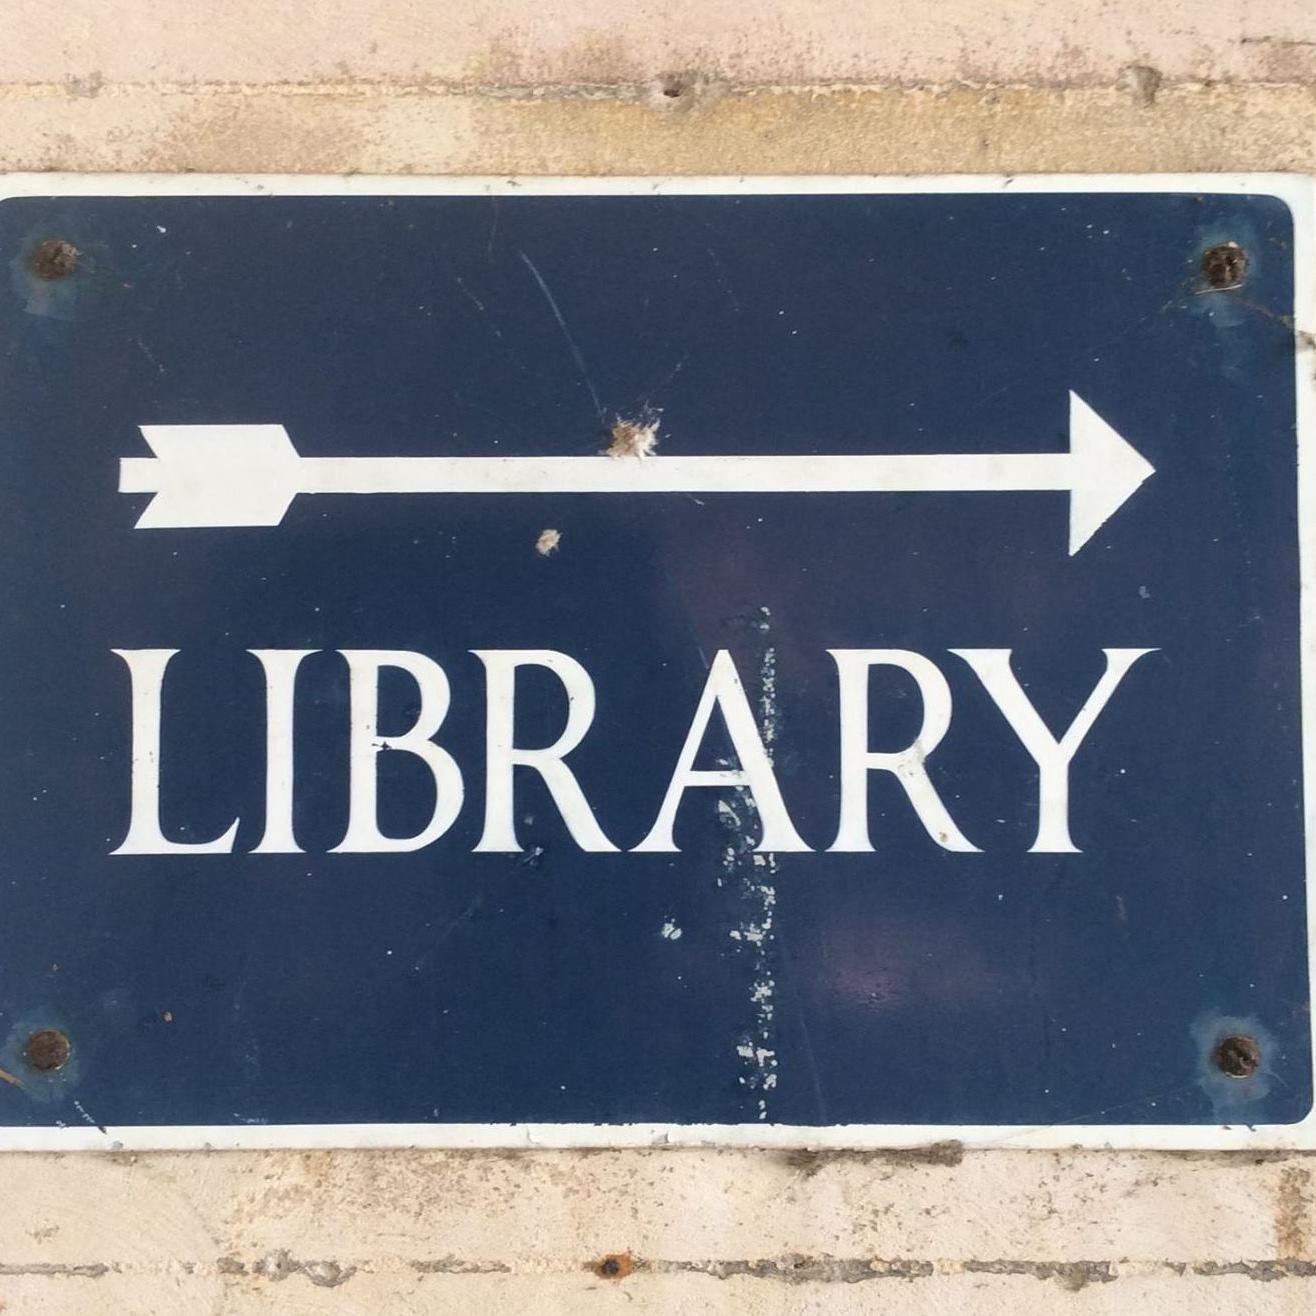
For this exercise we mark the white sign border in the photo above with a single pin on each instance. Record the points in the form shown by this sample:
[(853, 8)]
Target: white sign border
[(1298, 192)]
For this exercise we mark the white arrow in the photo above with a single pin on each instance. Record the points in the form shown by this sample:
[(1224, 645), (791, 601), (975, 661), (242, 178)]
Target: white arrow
[(247, 475)]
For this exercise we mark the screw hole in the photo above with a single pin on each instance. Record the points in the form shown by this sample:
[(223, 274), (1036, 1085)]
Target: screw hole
[(47, 1049), (675, 91), (1238, 1056), (54, 259), (1224, 266)]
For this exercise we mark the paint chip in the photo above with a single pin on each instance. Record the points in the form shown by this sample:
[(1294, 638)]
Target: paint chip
[(671, 931), (548, 542), (637, 437)]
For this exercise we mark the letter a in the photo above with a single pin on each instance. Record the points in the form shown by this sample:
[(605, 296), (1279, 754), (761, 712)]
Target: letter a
[(724, 691)]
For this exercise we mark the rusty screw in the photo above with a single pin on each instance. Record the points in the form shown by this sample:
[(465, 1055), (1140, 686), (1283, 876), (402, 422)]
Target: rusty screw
[(1224, 266), (54, 259), (1238, 1056), (47, 1050)]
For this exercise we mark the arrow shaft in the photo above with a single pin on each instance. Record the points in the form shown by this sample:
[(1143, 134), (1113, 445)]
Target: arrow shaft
[(250, 474), (904, 473)]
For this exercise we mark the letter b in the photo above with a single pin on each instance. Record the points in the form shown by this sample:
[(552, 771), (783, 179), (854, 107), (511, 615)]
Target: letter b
[(363, 833)]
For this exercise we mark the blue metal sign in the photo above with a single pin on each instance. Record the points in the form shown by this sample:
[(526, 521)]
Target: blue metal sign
[(772, 662)]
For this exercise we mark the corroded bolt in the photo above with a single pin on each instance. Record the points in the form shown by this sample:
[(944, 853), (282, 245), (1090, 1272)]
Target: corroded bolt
[(1224, 266), (54, 259), (1238, 1056), (47, 1050)]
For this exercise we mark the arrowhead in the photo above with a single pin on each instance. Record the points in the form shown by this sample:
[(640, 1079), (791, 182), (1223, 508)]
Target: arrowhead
[(213, 475), (1107, 471)]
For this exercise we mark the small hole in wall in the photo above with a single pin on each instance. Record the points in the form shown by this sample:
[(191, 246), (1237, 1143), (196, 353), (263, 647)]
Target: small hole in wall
[(675, 91)]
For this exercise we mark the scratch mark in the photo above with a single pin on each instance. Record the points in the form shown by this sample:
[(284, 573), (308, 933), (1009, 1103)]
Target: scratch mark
[(658, 385), (806, 1038), (82, 1110), (1151, 1097), (721, 274), (479, 306), (452, 924), (566, 333), (1304, 339), (719, 268), (149, 355), (493, 229), (7, 1077)]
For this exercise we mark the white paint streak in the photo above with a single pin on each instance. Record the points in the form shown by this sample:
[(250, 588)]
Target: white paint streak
[(754, 873)]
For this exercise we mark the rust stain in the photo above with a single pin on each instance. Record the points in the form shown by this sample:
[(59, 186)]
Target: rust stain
[(807, 1162), (619, 129), (1291, 1205), (47, 1050), (594, 59), (54, 258), (1281, 59), (1224, 266), (615, 1265)]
